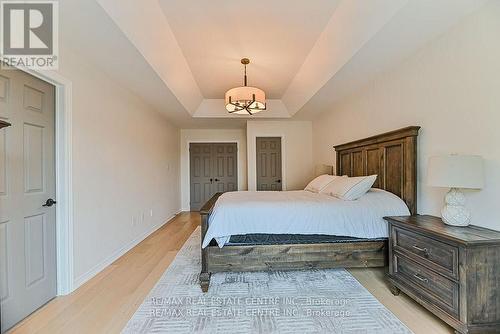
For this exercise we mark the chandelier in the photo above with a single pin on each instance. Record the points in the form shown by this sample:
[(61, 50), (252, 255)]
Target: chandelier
[(245, 100)]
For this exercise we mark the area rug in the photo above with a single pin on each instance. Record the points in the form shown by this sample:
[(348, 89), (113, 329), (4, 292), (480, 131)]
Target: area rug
[(308, 301)]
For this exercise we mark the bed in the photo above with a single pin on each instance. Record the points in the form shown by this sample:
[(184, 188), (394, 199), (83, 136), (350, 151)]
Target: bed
[(259, 231)]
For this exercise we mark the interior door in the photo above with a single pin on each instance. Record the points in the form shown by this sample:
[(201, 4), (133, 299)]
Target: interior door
[(213, 168), (201, 179), (225, 172), (269, 163), (27, 180)]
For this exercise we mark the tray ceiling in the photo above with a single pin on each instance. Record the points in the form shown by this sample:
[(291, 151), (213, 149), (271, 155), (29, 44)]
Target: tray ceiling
[(276, 35), (306, 55)]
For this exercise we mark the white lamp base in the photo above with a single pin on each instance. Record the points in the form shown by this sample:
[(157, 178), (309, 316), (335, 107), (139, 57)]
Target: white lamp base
[(454, 212)]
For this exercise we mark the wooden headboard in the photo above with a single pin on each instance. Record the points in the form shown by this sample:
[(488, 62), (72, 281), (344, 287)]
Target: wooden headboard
[(392, 156)]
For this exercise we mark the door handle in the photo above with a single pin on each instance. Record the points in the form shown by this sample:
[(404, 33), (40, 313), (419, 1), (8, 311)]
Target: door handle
[(217, 180), (49, 202), (278, 181)]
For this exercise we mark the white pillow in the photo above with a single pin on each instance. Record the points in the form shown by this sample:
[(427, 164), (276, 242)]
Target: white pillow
[(350, 188), (319, 183)]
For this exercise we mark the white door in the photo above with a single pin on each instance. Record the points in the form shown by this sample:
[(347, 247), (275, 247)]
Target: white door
[(27, 181)]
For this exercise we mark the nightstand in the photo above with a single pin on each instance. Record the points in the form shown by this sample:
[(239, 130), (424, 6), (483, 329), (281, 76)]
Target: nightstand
[(454, 272)]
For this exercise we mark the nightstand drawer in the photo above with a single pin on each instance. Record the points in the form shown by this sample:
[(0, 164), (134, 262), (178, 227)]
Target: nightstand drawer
[(430, 286), (440, 256)]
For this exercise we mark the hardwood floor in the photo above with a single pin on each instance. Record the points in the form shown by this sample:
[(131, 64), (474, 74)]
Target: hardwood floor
[(106, 302)]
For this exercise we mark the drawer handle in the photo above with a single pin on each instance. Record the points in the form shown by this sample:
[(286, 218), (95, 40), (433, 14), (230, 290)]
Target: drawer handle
[(421, 278), (420, 249)]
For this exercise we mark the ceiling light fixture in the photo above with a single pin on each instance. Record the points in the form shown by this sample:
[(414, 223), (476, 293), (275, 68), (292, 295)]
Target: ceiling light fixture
[(245, 100)]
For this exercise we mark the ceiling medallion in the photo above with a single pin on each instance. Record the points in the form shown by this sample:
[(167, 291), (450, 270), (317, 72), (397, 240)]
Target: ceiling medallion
[(245, 100)]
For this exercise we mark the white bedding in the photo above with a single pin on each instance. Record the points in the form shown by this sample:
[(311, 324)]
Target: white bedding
[(301, 212)]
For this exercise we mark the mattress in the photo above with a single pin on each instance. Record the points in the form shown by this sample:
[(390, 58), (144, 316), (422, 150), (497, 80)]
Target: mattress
[(301, 213)]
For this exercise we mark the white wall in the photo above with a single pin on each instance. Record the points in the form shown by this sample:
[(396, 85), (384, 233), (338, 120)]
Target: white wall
[(210, 136), (452, 89), (296, 151), (125, 166)]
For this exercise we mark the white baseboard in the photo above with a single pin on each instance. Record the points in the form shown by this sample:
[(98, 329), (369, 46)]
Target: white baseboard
[(82, 279)]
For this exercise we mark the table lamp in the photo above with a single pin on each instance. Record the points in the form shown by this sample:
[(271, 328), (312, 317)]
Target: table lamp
[(323, 169), (456, 172)]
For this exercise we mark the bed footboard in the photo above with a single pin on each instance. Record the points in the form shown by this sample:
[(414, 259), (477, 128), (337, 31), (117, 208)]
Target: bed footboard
[(205, 212)]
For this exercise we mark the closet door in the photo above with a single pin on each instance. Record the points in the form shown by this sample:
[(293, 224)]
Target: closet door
[(201, 179), (213, 168), (225, 172)]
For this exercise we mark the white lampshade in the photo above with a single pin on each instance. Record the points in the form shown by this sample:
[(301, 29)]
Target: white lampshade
[(243, 96), (322, 169), (456, 171)]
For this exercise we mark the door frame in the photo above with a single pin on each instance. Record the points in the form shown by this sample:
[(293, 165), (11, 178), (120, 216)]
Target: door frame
[(64, 179), (283, 157), (201, 141)]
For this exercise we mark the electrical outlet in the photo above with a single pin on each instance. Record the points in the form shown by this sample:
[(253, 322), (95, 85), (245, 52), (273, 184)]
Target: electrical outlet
[(151, 213)]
